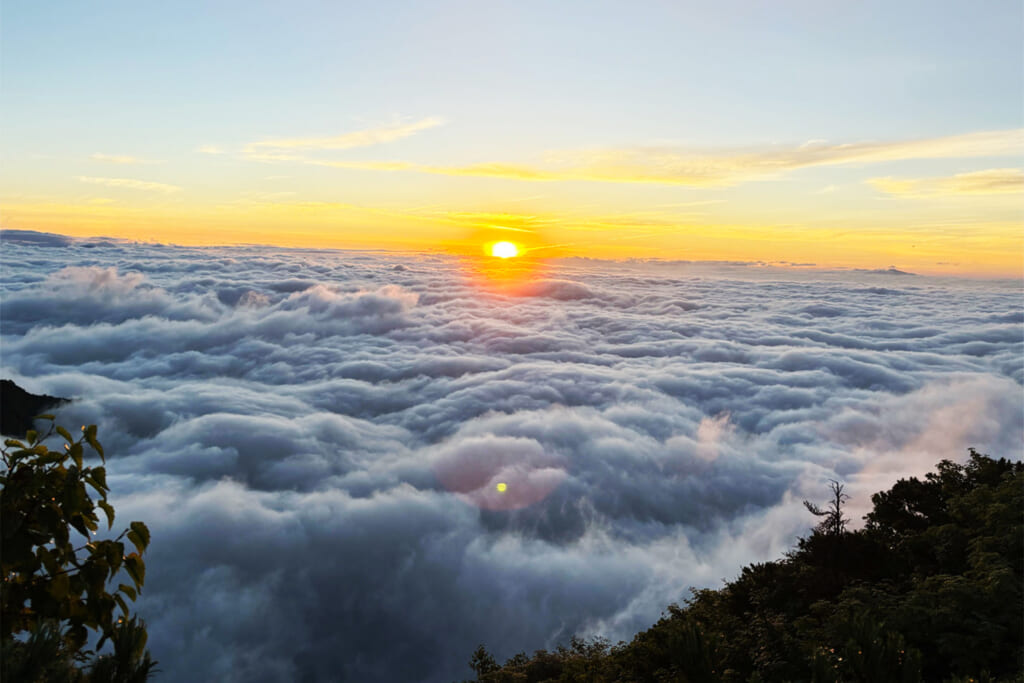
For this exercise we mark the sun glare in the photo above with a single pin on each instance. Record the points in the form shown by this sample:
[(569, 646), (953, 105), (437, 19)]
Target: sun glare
[(504, 250)]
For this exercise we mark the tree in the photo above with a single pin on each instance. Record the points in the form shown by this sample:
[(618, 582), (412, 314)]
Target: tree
[(833, 524), (482, 663), (53, 592)]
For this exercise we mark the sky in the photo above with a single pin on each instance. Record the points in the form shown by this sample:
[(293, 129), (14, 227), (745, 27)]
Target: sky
[(847, 135), (318, 439)]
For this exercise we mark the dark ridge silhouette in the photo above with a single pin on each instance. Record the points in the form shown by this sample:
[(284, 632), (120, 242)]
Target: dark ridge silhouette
[(928, 591), (18, 407)]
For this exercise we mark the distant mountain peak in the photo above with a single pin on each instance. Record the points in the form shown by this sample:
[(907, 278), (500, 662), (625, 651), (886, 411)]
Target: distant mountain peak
[(18, 407)]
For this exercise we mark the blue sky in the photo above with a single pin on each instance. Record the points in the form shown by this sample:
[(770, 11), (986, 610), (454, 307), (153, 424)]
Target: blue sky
[(526, 83)]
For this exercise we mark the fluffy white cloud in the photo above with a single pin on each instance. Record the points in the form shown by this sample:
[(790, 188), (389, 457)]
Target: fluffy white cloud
[(317, 438)]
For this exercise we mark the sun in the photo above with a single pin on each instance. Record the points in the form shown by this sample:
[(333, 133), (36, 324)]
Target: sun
[(504, 250)]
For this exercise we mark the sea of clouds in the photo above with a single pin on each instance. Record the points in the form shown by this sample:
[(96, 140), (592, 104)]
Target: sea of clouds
[(316, 438)]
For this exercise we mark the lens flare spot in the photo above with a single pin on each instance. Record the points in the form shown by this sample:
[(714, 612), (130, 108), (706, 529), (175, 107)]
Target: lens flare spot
[(504, 250), (501, 487)]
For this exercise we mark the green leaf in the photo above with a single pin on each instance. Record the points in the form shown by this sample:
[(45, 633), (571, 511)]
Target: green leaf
[(79, 525), (121, 603), (96, 477), (13, 443), (50, 457), (31, 436), (59, 586), (127, 590), (100, 475), (90, 436), (143, 531), (75, 451), (116, 556), (65, 433), (136, 569), (44, 416), (136, 541), (46, 557), (109, 509)]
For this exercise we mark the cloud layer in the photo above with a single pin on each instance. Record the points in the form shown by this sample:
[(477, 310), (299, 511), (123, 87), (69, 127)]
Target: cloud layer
[(317, 438)]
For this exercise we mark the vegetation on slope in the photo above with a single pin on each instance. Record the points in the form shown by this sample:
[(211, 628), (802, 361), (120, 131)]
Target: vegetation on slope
[(929, 590)]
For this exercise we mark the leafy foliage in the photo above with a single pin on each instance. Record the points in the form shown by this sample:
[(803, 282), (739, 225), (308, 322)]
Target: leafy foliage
[(929, 590), (53, 592)]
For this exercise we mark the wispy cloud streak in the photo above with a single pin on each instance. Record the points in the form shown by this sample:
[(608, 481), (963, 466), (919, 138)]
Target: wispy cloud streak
[(121, 159), (988, 182), (130, 183), (668, 165), (360, 138)]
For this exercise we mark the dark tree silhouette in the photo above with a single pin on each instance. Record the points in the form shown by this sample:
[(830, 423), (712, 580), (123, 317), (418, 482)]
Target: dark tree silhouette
[(482, 662), (833, 524)]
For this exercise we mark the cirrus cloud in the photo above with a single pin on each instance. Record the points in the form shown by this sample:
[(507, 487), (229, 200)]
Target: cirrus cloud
[(673, 165), (360, 138), (120, 159), (987, 182), (131, 184)]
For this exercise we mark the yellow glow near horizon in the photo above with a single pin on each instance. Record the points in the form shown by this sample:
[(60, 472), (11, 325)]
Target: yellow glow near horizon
[(923, 240), (504, 250)]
